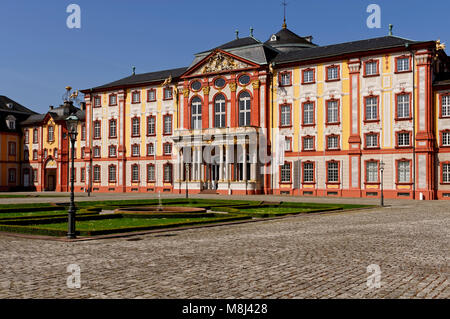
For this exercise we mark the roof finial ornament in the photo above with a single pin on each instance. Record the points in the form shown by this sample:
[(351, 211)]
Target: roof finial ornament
[(237, 34), (390, 29), (251, 32), (134, 70), (284, 4)]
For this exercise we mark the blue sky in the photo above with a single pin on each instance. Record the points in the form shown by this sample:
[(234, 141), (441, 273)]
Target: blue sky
[(39, 55)]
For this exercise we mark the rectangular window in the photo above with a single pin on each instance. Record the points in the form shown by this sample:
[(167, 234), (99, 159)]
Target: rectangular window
[(445, 106), (97, 129), (167, 173), (35, 136), (82, 174), (112, 128), (112, 173), (150, 173), (12, 148), (403, 139), (333, 172), (51, 135), (332, 73), (403, 64), (308, 172), (97, 101), (113, 100), (96, 173), (167, 148), (151, 95), (135, 97), (446, 173), (135, 173), (308, 76), (83, 132), (372, 172), (35, 175), (371, 140), (151, 125), (12, 175), (35, 155), (445, 138), (27, 136), (96, 151), (287, 145), (150, 149), (112, 151), (332, 112), (404, 172), (167, 124), (371, 111), (403, 106), (308, 113), (286, 173), (371, 68), (285, 79), (308, 143), (333, 142), (167, 93), (285, 115), (135, 127), (135, 150)]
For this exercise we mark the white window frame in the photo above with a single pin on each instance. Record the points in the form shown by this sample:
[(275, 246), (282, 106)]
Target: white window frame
[(372, 172)]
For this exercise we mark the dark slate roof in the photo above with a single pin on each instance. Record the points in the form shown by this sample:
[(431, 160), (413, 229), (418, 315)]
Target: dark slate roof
[(32, 119), (143, 78), (286, 36), (59, 113), (16, 107), (241, 42), (343, 48)]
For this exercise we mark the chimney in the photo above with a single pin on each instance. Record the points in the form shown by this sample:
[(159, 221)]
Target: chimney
[(51, 107), (309, 38)]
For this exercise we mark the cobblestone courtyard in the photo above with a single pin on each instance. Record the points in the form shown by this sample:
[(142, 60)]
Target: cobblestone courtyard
[(314, 256)]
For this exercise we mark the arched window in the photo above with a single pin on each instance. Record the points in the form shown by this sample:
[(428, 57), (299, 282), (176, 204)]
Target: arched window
[(219, 111), (196, 113), (244, 109)]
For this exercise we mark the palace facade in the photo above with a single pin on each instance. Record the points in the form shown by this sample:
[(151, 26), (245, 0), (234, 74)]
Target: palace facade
[(284, 116)]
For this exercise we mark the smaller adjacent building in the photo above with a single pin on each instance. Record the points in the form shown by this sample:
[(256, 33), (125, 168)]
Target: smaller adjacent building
[(13, 174), (47, 147)]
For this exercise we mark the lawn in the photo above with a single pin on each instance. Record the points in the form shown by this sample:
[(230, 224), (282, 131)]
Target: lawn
[(47, 218), (118, 223)]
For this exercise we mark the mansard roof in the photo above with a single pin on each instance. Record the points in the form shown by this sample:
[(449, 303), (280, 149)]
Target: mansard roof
[(10, 106), (142, 78), (287, 48), (285, 38), (341, 49), (58, 114)]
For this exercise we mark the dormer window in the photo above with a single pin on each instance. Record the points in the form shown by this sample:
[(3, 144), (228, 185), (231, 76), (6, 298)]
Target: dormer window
[(11, 122), (273, 38)]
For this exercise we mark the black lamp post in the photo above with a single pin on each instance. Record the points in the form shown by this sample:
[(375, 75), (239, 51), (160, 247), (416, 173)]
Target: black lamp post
[(72, 126), (382, 170)]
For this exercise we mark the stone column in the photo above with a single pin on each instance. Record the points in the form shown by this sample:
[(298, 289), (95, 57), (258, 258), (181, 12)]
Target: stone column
[(244, 164), (221, 162)]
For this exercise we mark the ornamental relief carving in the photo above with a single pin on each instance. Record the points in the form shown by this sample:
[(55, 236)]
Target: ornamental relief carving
[(221, 62), (308, 131), (402, 125), (335, 129), (371, 127)]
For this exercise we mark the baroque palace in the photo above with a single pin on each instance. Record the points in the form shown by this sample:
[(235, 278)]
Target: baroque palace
[(284, 116)]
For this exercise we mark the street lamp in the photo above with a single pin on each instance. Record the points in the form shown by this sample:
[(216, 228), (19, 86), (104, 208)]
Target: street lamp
[(382, 170), (72, 126)]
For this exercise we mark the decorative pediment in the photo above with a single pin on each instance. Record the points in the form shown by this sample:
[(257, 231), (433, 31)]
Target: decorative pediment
[(220, 61)]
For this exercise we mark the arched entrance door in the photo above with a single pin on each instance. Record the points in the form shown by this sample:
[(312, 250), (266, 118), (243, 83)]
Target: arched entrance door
[(50, 175)]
